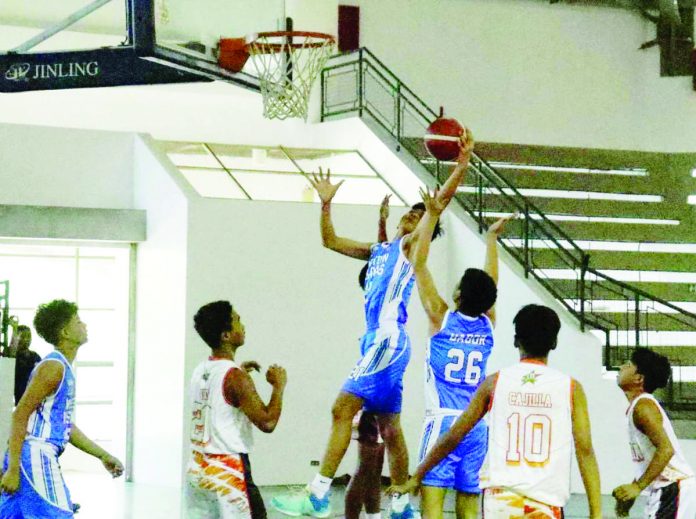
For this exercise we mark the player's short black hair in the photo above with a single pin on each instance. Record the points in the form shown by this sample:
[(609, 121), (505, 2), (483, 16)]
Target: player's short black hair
[(51, 318), (212, 320), (362, 276), (477, 292), (654, 367), (23, 328), (536, 329), (438, 231)]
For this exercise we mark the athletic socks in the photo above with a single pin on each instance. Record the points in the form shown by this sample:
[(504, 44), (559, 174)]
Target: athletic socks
[(378, 515), (320, 486), (399, 503)]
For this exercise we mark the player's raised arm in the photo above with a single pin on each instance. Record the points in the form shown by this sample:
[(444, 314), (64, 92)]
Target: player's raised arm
[(434, 305), (326, 191), (466, 147), (45, 382), (383, 216), (584, 452), (491, 265), (447, 443), (648, 419)]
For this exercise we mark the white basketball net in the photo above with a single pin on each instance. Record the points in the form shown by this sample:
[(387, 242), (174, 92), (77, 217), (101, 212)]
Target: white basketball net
[(287, 70)]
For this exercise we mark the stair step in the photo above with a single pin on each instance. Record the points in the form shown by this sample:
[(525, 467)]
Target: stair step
[(598, 231), (584, 207), (648, 321), (673, 292), (621, 260)]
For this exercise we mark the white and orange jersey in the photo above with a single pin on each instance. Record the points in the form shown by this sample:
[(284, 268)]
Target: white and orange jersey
[(217, 427), (643, 450), (530, 434)]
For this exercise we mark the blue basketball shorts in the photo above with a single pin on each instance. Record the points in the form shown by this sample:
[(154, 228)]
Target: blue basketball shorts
[(460, 469), (378, 376), (42, 493)]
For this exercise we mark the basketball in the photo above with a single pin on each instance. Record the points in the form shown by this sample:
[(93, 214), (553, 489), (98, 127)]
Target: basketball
[(442, 138)]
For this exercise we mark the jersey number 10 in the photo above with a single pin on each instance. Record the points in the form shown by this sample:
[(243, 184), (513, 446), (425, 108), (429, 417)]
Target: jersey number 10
[(534, 439), (472, 375)]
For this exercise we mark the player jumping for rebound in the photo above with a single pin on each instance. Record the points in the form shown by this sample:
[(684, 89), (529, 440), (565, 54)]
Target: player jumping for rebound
[(528, 473), (661, 468), (375, 383), (461, 340)]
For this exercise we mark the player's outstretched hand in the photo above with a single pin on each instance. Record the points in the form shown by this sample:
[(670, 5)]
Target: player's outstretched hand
[(9, 482), (466, 147), (112, 465), (251, 365), (432, 202), (625, 495), (384, 208), (276, 376), (410, 487), (498, 226), (322, 183)]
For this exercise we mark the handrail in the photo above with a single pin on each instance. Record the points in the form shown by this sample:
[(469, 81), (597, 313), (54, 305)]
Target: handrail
[(536, 224)]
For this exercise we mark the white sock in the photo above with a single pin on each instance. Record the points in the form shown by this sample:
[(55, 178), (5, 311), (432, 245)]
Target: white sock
[(378, 515), (398, 503), (320, 485)]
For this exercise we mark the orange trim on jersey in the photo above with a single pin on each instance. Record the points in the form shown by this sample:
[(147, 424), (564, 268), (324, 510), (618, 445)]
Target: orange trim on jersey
[(572, 394), (534, 361)]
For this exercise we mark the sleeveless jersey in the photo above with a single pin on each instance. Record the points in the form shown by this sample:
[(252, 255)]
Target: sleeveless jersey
[(530, 436), (217, 427), (388, 285), (455, 364), (52, 421), (642, 449)]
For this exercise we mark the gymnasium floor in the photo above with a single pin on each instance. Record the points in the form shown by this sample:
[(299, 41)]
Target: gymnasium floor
[(102, 498)]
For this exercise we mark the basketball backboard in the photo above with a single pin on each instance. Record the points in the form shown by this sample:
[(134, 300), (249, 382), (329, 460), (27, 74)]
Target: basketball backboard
[(83, 43)]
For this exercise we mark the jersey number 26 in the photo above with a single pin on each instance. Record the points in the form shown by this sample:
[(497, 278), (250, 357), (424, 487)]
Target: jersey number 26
[(453, 370)]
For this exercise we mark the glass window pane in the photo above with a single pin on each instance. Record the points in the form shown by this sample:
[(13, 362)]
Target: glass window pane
[(35, 280), (97, 283), (106, 339), (94, 382), (253, 158), (213, 183), (339, 162), (268, 186), (364, 191), (98, 422), (189, 154)]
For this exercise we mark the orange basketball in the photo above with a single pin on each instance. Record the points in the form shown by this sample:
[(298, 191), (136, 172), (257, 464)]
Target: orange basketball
[(442, 138)]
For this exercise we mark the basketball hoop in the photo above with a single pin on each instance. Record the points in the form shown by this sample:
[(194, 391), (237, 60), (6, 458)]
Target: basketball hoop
[(287, 63)]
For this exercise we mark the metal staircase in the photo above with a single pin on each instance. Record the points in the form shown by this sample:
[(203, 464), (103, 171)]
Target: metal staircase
[(624, 314)]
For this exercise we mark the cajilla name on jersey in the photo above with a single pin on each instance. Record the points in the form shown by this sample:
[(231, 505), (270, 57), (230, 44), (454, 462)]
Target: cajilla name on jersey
[(529, 399)]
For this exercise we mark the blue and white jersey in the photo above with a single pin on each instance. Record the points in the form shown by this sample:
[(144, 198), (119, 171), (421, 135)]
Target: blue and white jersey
[(455, 363), (51, 422), (388, 285)]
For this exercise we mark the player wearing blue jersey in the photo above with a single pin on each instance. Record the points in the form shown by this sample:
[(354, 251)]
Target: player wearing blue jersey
[(460, 343), (375, 383), (32, 485)]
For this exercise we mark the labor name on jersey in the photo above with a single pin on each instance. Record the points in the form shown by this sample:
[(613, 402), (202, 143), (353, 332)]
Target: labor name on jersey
[(456, 362)]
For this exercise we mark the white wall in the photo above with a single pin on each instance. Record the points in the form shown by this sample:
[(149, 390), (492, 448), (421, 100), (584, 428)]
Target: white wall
[(60, 167), (158, 390), (302, 308), (524, 71), (7, 370)]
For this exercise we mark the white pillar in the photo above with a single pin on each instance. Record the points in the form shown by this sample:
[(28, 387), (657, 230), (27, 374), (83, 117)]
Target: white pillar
[(7, 373)]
